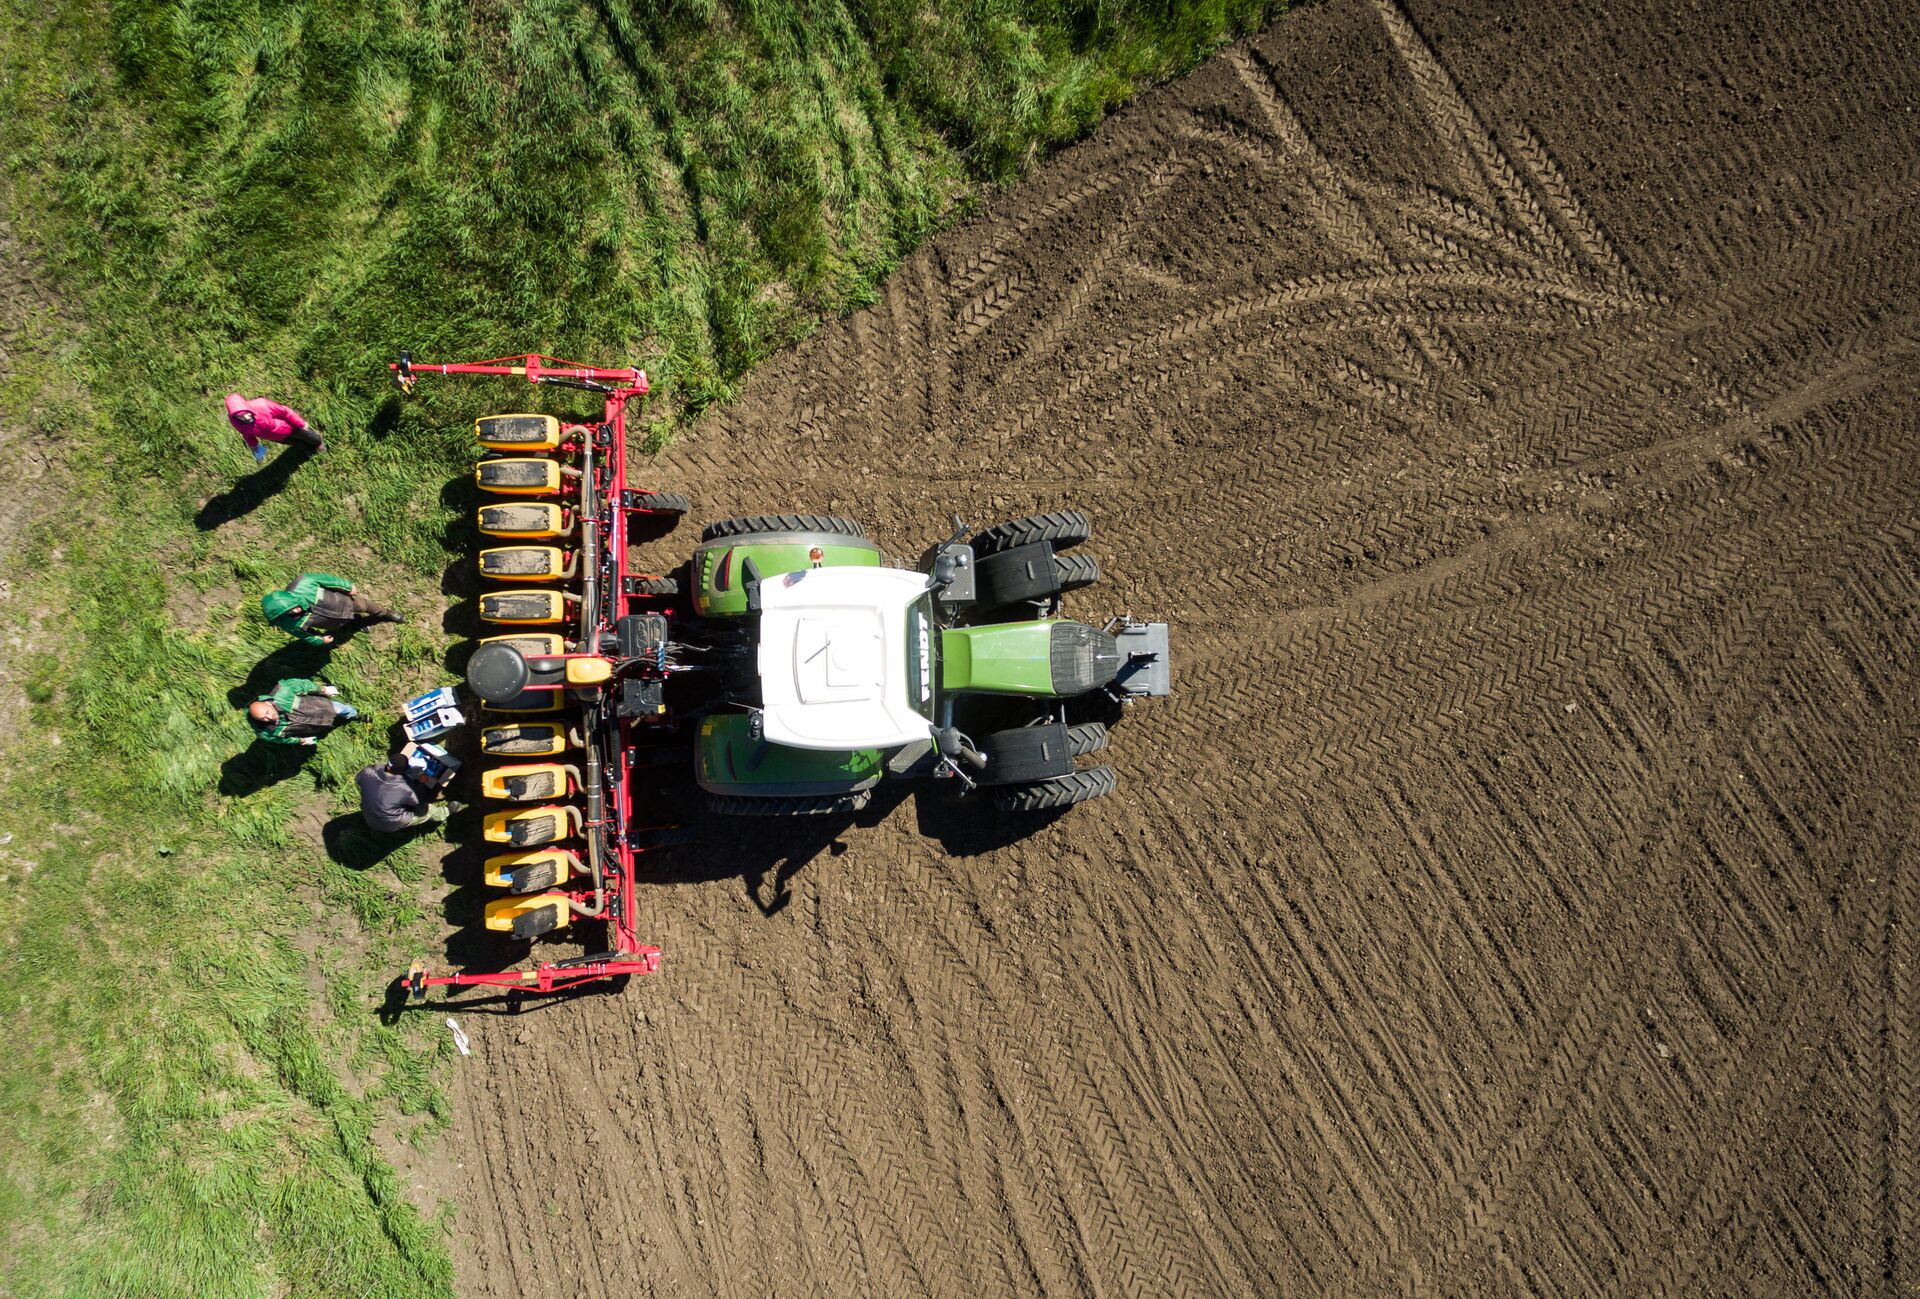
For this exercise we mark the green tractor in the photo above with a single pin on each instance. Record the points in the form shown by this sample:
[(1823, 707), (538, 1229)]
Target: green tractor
[(839, 671)]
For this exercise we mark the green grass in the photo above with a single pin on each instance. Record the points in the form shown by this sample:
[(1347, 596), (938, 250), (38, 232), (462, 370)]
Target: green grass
[(278, 197)]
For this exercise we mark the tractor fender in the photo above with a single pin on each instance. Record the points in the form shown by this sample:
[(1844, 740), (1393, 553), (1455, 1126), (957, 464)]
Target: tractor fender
[(1012, 576), (1027, 753), (729, 759), (719, 567)]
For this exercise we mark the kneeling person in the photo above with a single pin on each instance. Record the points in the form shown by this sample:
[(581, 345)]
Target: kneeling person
[(391, 799), (298, 711)]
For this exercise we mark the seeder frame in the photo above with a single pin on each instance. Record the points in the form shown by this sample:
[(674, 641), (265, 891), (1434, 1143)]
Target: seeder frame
[(612, 817)]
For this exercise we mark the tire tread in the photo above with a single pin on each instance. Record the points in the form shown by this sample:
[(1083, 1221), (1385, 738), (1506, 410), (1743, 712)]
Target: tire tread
[(1061, 791), (1064, 528), (751, 524)]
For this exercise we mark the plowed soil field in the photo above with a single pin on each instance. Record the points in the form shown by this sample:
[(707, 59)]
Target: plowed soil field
[(1515, 415)]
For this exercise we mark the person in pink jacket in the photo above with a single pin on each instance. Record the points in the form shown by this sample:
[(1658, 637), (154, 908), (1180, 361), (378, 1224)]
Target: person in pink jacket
[(262, 420)]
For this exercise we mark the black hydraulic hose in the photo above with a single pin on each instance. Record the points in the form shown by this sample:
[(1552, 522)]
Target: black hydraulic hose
[(590, 644), (596, 812), (589, 553)]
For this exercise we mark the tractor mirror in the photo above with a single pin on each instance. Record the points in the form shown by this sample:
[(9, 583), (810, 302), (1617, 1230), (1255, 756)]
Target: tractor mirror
[(950, 570)]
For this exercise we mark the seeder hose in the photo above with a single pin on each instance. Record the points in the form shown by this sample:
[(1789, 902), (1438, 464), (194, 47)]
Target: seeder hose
[(590, 641), (596, 810)]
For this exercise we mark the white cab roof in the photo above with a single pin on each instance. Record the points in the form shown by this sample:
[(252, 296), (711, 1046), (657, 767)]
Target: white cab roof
[(833, 658)]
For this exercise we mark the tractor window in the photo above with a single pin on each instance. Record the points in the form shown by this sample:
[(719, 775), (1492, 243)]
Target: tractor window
[(920, 656)]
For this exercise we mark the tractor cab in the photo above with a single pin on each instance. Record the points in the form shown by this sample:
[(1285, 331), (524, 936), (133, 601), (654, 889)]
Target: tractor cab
[(846, 658)]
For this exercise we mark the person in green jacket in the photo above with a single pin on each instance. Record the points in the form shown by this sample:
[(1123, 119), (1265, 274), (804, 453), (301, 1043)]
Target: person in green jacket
[(318, 605), (298, 711)]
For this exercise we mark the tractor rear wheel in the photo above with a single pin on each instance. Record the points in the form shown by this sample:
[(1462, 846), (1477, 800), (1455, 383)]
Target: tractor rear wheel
[(812, 805), (660, 502), (1088, 737), (752, 523), (1076, 571), (1064, 528), (1061, 791)]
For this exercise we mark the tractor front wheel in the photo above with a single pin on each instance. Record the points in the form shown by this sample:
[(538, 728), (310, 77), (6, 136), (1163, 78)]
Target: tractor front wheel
[(1075, 571), (1064, 528), (1061, 791), (1088, 737)]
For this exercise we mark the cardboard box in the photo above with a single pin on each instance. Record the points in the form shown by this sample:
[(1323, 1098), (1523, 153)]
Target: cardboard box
[(430, 764)]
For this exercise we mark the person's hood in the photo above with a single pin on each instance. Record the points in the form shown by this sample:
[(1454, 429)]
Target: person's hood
[(276, 603)]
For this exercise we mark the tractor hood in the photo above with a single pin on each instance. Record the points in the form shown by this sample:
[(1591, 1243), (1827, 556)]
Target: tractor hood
[(833, 658)]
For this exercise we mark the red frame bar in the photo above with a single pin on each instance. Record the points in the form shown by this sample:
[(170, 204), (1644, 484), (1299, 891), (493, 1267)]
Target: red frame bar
[(533, 367), (548, 976)]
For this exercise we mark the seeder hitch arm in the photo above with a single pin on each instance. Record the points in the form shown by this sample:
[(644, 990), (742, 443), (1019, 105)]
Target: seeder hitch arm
[(548, 976), (533, 367)]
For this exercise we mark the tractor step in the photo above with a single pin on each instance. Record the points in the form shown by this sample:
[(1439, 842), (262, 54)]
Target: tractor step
[(517, 432), (524, 740), (531, 562), (534, 476), (524, 606), (528, 521)]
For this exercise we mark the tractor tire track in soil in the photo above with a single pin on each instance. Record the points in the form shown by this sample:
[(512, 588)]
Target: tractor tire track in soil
[(1516, 418)]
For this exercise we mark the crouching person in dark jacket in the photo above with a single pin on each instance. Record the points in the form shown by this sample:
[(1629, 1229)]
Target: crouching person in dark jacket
[(299, 711), (392, 800)]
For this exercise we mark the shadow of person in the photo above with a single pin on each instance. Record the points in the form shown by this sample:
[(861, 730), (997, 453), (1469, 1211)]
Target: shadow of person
[(259, 766), (249, 493), (295, 659), (352, 844)]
